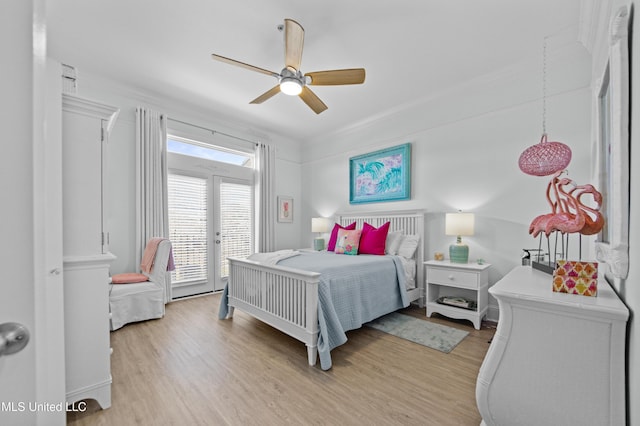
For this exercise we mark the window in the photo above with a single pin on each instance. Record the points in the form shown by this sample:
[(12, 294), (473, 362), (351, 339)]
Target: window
[(209, 152)]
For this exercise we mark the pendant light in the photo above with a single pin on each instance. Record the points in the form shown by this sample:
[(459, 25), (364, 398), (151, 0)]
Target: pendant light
[(544, 158)]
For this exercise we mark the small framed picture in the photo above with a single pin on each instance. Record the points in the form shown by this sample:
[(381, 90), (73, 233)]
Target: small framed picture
[(285, 209)]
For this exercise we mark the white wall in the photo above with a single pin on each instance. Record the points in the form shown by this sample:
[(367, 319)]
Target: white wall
[(288, 235), (466, 145), (121, 173)]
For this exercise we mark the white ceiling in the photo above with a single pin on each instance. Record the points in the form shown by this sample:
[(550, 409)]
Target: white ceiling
[(411, 50)]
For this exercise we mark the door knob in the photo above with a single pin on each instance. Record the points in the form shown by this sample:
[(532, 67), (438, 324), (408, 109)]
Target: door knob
[(13, 338)]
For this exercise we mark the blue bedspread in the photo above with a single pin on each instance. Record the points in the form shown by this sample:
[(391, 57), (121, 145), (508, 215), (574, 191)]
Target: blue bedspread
[(353, 290)]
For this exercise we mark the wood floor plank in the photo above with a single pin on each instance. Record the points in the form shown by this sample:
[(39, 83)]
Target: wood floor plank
[(190, 368)]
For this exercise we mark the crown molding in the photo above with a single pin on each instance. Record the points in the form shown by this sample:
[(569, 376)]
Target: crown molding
[(588, 23), (175, 107), (79, 105), (594, 18)]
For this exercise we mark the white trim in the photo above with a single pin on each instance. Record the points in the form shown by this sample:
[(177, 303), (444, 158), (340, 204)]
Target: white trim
[(615, 251), (88, 262), (590, 12), (79, 105)]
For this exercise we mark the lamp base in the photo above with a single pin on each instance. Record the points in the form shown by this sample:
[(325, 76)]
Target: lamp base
[(318, 244), (459, 253)]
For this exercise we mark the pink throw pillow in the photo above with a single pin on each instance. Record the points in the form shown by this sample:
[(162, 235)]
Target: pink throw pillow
[(373, 240), (348, 241), (331, 246), (128, 278)]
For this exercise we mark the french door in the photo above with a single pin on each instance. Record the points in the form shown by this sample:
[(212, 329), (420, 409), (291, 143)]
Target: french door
[(211, 218), (234, 235)]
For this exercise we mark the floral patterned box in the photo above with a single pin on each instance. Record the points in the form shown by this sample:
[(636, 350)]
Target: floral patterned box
[(576, 277)]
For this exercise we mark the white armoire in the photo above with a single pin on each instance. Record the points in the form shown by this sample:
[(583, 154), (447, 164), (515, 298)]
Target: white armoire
[(85, 131)]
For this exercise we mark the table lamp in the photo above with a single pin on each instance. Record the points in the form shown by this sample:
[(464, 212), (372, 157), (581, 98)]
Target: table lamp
[(459, 224), (319, 225)]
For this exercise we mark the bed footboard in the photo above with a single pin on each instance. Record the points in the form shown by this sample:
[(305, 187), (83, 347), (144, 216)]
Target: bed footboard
[(282, 297)]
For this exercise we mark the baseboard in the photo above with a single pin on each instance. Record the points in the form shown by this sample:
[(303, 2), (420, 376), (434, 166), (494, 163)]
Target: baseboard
[(493, 313)]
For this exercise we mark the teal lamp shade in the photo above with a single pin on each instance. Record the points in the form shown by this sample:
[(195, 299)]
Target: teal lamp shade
[(459, 224), (320, 225)]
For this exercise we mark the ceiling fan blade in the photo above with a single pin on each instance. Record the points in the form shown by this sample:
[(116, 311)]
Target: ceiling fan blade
[(266, 95), (293, 43), (243, 65), (312, 100), (337, 77)]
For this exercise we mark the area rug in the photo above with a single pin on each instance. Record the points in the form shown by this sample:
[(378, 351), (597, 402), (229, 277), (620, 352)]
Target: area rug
[(432, 335)]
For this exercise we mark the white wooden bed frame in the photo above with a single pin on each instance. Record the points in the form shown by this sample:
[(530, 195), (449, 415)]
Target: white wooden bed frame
[(287, 298)]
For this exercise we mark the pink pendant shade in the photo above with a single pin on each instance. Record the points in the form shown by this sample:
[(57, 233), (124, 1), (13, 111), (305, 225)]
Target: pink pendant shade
[(545, 158)]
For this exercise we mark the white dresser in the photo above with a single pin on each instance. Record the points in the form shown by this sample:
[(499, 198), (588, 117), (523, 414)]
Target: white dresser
[(556, 359), (85, 130)]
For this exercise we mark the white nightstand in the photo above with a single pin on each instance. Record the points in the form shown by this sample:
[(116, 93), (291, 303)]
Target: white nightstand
[(466, 280)]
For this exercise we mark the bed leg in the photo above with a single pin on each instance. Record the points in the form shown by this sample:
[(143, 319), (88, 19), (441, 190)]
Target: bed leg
[(230, 312), (312, 354)]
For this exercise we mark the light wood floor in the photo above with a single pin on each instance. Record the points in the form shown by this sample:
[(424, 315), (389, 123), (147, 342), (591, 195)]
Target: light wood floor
[(190, 368)]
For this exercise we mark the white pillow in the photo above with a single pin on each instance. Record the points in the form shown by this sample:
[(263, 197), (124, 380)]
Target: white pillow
[(408, 246), (393, 242)]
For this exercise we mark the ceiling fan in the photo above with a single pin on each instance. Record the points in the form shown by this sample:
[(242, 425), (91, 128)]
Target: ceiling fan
[(291, 81)]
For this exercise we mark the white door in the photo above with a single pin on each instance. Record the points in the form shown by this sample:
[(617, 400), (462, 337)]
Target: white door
[(32, 380), (233, 219), (190, 233), (210, 198), (210, 219)]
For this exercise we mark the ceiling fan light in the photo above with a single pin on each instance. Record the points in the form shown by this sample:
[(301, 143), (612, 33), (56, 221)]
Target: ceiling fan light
[(290, 86)]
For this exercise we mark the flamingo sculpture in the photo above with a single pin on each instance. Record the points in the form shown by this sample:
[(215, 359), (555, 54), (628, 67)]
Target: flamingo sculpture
[(565, 221), (539, 223), (594, 224), (568, 213)]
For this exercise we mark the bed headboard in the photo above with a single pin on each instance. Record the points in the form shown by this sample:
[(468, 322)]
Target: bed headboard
[(407, 222)]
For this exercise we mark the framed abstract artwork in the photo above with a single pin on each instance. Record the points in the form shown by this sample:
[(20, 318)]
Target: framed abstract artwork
[(285, 209), (383, 175)]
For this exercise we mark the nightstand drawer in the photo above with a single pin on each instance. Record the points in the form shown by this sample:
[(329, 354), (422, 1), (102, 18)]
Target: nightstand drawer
[(452, 278)]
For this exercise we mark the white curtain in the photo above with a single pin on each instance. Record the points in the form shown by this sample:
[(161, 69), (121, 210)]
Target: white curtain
[(265, 191), (152, 218)]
